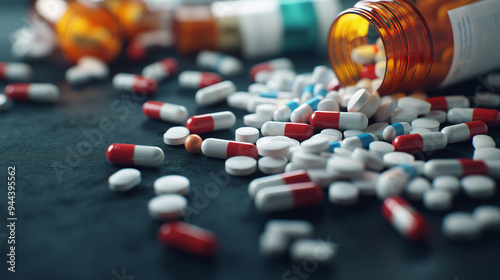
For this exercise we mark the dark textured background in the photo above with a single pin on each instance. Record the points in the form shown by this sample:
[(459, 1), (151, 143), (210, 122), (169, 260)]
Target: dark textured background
[(72, 227)]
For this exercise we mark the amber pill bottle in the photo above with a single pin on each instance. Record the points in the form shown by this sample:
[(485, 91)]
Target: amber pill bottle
[(82, 28), (428, 44)]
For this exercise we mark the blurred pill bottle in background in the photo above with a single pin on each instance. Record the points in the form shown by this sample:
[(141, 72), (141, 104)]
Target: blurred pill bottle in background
[(428, 44), (81, 28), (258, 28)]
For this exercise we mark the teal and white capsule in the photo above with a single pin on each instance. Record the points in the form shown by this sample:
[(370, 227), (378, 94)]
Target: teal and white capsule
[(307, 93), (333, 145), (304, 112), (394, 181), (320, 90), (359, 141), (396, 129), (275, 94), (283, 113)]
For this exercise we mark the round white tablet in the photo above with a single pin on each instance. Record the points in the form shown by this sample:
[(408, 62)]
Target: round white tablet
[(273, 146), (343, 193), (345, 167), (420, 131), (447, 183), (171, 184), (486, 154), (487, 217), (333, 132), (291, 167), (238, 100), (460, 226), (328, 105), (380, 148), (352, 132), (429, 124), (247, 134), (437, 200), (342, 152), (176, 135), (483, 141), (371, 160), (478, 186), (437, 115), (167, 206), (328, 138), (270, 165), (307, 160), (315, 145), (414, 105), (241, 166), (397, 158), (124, 179), (417, 187), (367, 183)]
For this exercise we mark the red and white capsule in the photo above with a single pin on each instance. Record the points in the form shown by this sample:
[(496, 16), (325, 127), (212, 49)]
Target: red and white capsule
[(415, 143), (445, 103), (288, 178), (16, 72), (134, 83), (129, 154), (189, 238), (405, 219), (211, 122), (198, 80), (459, 115), (339, 120), (165, 111), (297, 131), (461, 167), (32, 92), (286, 197), (464, 131), (224, 149), (161, 70), (271, 65)]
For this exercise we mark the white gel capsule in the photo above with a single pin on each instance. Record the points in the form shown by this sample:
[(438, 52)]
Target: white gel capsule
[(124, 179), (303, 113), (396, 129), (483, 141), (222, 63), (167, 206), (16, 72), (171, 184), (215, 93)]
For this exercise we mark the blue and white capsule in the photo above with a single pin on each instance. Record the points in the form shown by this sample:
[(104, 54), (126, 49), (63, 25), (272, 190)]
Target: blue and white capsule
[(396, 129), (394, 181), (304, 112), (275, 94), (359, 141), (333, 145), (320, 90), (307, 93), (283, 113)]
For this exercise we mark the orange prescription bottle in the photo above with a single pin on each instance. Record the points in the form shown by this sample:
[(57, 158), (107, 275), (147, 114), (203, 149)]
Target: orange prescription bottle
[(428, 44), (82, 28)]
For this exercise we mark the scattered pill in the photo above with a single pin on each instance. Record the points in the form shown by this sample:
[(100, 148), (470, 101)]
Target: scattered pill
[(176, 135), (437, 200), (222, 63), (278, 198), (298, 131), (396, 158), (366, 184), (303, 113), (171, 184), (461, 167), (273, 244), (247, 134), (307, 160), (128, 154), (417, 187), (193, 144), (88, 68), (224, 149), (343, 193), (211, 122), (288, 178), (405, 219), (134, 84), (447, 183), (16, 72), (445, 103), (478, 186), (124, 179), (284, 112), (240, 165), (198, 80), (4, 102), (321, 252), (315, 145), (486, 154), (272, 165), (429, 124), (358, 141), (437, 115), (387, 106), (394, 180), (328, 105), (161, 70), (370, 160), (339, 120), (346, 168), (396, 129), (460, 115), (352, 132), (377, 129), (165, 111), (271, 65), (380, 148), (167, 206), (483, 141), (487, 217), (487, 99), (464, 131), (415, 143), (189, 238), (414, 105), (273, 147), (401, 115), (32, 92), (460, 226)]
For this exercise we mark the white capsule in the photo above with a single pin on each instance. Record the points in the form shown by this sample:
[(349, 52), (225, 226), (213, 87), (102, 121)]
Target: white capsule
[(272, 165), (437, 200), (343, 193), (161, 70), (487, 217), (447, 183), (256, 185), (478, 186), (283, 113), (417, 187), (290, 229), (165, 111), (460, 226), (87, 69), (197, 80), (134, 83), (171, 184), (224, 149), (464, 131), (222, 63), (16, 72), (167, 206), (321, 252), (483, 141), (176, 135), (124, 179), (215, 93), (241, 166), (273, 244), (358, 141)]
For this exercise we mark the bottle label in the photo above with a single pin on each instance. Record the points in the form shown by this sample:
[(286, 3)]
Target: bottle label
[(476, 40)]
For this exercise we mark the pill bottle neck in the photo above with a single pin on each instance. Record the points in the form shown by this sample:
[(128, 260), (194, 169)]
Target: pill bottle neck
[(404, 32)]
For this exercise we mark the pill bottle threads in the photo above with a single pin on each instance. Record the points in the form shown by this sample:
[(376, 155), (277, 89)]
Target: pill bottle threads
[(81, 29), (417, 38)]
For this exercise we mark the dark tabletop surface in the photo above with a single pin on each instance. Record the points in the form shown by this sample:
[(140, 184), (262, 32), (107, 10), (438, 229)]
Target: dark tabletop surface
[(71, 226)]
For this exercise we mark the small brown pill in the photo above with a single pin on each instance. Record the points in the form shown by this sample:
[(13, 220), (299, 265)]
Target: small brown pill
[(193, 144)]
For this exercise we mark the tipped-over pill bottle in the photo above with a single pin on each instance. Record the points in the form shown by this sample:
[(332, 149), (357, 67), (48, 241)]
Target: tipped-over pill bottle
[(82, 28), (428, 44), (255, 28)]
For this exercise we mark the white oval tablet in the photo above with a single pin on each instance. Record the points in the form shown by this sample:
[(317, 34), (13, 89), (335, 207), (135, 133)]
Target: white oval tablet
[(487, 217), (343, 193), (305, 160), (483, 141), (397, 158), (367, 183), (417, 187), (352, 132), (241, 166), (426, 123), (328, 105), (333, 132), (486, 154), (380, 148), (315, 145), (273, 146), (437, 200), (345, 167), (247, 134), (447, 183), (124, 179), (478, 186), (460, 226), (371, 160), (270, 165), (414, 105), (437, 115), (171, 184), (176, 135), (167, 206), (321, 177)]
